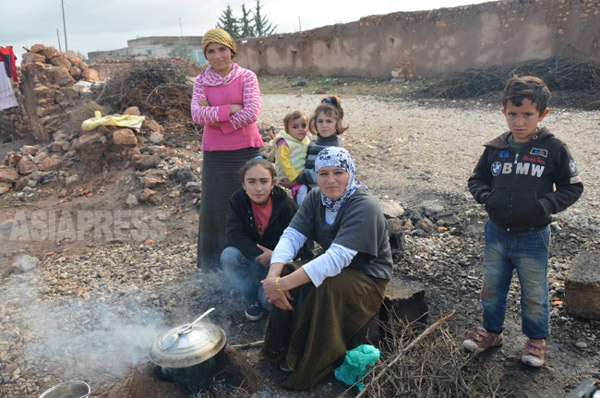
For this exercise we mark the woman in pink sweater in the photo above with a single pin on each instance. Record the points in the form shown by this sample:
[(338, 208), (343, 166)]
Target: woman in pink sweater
[(226, 101)]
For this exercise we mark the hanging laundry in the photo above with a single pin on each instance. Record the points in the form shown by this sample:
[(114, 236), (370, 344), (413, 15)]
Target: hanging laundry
[(10, 62), (7, 94)]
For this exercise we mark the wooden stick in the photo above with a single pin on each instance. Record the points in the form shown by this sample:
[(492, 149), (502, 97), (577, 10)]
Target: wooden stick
[(420, 337), (248, 345)]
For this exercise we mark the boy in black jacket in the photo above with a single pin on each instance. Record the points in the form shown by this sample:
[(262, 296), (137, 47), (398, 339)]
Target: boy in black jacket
[(523, 177)]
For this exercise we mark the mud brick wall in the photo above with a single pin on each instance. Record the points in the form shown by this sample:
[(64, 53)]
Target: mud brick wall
[(428, 43)]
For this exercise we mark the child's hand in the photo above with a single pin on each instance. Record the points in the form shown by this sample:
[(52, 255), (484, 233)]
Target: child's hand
[(203, 102), (265, 257), (284, 182)]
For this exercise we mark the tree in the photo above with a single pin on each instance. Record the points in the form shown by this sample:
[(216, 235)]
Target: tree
[(262, 27), (246, 27), (229, 23), (183, 51)]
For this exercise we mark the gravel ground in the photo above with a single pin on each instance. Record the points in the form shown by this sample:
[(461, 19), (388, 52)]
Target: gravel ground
[(89, 310)]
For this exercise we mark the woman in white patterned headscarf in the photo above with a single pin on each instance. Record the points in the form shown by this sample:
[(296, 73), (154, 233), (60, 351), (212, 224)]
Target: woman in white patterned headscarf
[(321, 305)]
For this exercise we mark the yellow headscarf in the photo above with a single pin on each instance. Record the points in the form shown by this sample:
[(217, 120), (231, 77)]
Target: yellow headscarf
[(217, 36)]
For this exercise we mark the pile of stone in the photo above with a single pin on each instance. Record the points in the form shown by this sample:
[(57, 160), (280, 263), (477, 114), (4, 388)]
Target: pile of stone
[(69, 61), (46, 90), (26, 170)]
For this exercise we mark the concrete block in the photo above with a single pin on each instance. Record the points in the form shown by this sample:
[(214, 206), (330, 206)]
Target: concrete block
[(582, 286)]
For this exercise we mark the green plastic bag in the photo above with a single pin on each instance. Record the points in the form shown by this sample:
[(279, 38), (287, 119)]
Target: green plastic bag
[(356, 364)]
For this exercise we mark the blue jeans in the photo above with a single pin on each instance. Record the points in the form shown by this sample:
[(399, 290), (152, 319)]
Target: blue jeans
[(527, 253), (245, 274)]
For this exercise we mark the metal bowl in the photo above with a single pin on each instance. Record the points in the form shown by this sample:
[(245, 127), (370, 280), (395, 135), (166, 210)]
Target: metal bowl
[(69, 389)]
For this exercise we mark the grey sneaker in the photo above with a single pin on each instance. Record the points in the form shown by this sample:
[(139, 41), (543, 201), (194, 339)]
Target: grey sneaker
[(481, 340), (535, 352), (254, 312)]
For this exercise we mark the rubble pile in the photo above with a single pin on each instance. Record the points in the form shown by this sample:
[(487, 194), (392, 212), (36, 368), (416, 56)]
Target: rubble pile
[(47, 90)]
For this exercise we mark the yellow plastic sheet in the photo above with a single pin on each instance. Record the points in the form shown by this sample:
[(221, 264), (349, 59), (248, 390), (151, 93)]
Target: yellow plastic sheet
[(112, 120)]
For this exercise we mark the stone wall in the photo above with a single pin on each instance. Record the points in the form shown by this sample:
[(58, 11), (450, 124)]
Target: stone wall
[(428, 43), (46, 92)]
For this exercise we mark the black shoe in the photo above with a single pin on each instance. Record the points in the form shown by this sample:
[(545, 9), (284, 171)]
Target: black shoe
[(285, 367), (254, 312)]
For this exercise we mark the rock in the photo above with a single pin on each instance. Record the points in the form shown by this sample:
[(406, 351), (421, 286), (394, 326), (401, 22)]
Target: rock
[(59, 146), (30, 150), (49, 52), (26, 166), (4, 187), (156, 137), (41, 91), (60, 61), (37, 48), (193, 186), (426, 225), (133, 110), (9, 175), (52, 163), (582, 286), (581, 344), (147, 162), (131, 200), (157, 150), (87, 141), (404, 300), (31, 58), (26, 263), (151, 125), (12, 159), (183, 175), (124, 137), (90, 75), (433, 209), (70, 180), (61, 76), (392, 209), (146, 195), (152, 178), (396, 234)]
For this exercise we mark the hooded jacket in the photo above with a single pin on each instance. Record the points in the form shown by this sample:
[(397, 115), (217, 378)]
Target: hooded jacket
[(517, 189), (242, 232)]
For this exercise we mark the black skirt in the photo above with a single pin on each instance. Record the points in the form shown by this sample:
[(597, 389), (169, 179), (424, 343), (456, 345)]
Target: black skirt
[(220, 179)]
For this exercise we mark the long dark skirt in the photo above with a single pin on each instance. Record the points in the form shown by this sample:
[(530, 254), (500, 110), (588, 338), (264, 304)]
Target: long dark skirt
[(220, 179), (314, 336)]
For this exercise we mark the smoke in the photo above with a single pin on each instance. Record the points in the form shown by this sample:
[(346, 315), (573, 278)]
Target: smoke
[(85, 338), (95, 337)]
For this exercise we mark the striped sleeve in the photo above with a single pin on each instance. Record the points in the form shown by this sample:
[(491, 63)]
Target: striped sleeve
[(205, 115), (251, 102)]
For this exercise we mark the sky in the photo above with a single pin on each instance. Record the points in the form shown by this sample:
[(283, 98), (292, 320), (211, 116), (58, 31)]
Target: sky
[(94, 25)]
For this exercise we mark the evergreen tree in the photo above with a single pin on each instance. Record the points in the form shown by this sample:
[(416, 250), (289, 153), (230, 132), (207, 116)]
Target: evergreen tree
[(229, 23), (262, 27), (246, 27)]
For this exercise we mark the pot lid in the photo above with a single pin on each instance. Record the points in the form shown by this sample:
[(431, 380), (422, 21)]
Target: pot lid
[(187, 345)]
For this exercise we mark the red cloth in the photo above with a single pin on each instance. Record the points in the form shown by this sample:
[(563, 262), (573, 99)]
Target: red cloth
[(262, 214), (12, 64)]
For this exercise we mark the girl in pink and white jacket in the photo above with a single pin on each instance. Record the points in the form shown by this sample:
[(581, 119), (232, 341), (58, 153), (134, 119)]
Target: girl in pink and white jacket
[(226, 101)]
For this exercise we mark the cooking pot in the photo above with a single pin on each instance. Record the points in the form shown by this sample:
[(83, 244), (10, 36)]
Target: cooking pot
[(189, 354), (69, 389)]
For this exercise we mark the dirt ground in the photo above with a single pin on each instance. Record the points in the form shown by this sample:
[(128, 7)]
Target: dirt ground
[(91, 307)]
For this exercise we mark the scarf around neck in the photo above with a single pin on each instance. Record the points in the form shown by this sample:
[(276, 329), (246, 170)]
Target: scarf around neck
[(212, 78)]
